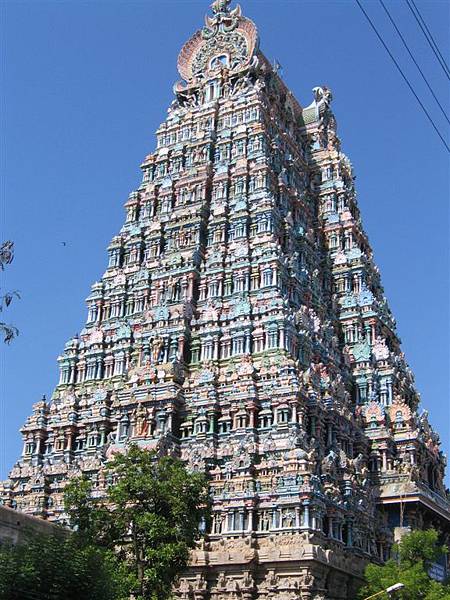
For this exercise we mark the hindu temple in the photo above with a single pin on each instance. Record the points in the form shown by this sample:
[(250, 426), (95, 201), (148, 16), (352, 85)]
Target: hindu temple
[(241, 324)]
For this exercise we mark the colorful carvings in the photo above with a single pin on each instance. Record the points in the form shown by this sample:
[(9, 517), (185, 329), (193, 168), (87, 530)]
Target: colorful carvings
[(241, 325)]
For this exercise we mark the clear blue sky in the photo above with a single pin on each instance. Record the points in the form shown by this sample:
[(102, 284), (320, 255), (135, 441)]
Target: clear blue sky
[(86, 84)]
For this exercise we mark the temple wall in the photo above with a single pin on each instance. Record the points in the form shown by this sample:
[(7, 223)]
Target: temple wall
[(14, 525)]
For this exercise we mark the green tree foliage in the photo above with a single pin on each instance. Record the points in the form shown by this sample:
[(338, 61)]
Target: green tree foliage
[(151, 517), (9, 332), (57, 566), (413, 557)]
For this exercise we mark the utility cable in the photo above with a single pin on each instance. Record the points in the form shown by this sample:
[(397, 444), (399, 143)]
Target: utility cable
[(403, 75), (430, 39), (414, 60)]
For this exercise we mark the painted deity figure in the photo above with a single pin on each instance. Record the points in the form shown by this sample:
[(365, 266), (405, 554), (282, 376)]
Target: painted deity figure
[(157, 347)]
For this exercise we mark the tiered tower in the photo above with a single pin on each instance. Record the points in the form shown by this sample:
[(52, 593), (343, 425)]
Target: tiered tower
[(241, 325)]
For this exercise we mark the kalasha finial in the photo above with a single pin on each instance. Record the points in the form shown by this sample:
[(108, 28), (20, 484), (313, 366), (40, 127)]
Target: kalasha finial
[(220, 6)]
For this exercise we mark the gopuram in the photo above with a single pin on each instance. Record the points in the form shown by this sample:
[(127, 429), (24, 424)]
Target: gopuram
[(241, 324)]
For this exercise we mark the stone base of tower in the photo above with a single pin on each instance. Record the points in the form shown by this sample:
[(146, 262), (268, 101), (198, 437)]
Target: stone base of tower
[(278, 567)]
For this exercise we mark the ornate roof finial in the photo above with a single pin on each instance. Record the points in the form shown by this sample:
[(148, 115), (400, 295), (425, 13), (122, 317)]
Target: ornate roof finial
[(224, 18), (221, 6), (228, 39)]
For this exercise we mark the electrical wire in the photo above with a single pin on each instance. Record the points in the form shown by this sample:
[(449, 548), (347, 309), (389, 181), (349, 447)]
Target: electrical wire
[(430, 39), (403, 75), (414, 60)]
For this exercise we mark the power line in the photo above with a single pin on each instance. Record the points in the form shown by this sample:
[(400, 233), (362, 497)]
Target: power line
[(403, 75), (428, 36), (414, 60)]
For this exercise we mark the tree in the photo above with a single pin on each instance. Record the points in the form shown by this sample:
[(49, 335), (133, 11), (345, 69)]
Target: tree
[(413, 557), (9, 332), (151, 517), (56, 566)]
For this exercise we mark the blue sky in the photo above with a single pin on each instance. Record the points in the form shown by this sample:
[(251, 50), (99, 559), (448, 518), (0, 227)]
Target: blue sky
[(86, 84)]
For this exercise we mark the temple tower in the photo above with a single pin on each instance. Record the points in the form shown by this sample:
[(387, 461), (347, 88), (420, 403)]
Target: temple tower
[(241, 325)]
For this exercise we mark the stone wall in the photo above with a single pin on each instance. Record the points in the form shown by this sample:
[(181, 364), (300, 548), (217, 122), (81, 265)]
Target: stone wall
[(14, 525)]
